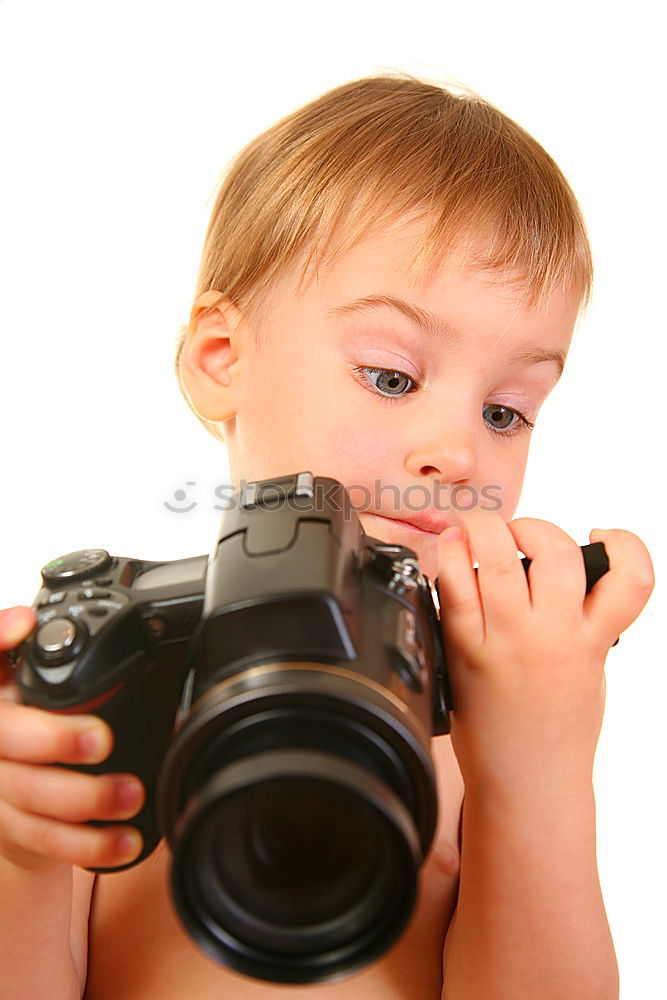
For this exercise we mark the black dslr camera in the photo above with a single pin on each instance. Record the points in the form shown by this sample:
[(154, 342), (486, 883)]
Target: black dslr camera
[(297, 794)]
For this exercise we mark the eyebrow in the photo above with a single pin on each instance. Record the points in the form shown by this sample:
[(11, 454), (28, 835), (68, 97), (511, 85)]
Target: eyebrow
[(438, 329)]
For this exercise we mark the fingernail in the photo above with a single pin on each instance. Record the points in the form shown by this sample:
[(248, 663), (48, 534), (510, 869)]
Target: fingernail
[(91, 744), (128, 795), (128, 846)]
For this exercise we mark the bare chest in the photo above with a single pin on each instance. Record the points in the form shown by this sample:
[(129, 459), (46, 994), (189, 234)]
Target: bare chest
[(139, 949)]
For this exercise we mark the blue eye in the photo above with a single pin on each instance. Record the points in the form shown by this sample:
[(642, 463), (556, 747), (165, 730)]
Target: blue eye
[(389, 381), (390, 384), (502, 420)]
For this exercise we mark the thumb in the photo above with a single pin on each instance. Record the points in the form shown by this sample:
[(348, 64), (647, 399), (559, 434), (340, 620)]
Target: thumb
[(15, 625)]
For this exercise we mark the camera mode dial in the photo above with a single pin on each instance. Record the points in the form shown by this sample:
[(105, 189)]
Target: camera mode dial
[(76, 565)]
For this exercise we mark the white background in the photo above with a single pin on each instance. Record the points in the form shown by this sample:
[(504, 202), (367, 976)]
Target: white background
[(116, 121)]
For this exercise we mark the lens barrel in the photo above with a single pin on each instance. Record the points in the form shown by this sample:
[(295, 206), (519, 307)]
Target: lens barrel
[(297, 800)]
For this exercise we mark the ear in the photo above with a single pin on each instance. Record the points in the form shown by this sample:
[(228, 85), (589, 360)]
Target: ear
[(210, 358)]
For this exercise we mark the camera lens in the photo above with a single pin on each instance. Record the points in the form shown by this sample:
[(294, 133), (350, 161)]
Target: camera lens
[(299, 803), (294, 865), (300, 850), (289, 855)]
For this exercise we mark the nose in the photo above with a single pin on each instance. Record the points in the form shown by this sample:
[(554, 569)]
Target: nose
[(446, 453)]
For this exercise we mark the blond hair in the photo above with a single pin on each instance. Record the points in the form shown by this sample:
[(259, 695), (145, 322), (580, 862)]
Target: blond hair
[(369, 152)]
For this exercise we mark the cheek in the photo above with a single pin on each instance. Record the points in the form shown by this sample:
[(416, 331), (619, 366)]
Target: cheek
[(500, 487), (292, 426), (356, 453)]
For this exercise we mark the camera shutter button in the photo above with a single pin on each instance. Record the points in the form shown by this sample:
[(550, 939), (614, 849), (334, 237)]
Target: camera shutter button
[(56, 641)]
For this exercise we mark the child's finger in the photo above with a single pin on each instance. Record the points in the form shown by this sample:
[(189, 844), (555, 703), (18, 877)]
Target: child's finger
[(557, 574), (501, 579), (27, 838), (618, 597), (66, 795), (460, 606), (15, 625), (33, 735)]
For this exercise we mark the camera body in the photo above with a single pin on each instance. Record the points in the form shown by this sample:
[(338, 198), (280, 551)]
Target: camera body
[(277, 699), (117, 636)]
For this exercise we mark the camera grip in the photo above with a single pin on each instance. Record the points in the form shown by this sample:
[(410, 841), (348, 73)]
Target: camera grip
[(133, 753)]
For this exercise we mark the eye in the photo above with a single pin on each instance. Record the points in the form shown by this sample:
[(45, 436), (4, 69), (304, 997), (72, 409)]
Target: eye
[(388, 382), (502, 420)]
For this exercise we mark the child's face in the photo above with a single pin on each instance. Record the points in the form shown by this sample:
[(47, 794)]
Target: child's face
[(296, 403)]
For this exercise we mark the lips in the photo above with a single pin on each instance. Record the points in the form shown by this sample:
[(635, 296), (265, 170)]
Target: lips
[(423, 523)]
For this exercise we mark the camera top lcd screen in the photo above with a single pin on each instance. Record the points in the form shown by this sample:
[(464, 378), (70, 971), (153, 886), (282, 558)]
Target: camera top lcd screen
[(181, 572)]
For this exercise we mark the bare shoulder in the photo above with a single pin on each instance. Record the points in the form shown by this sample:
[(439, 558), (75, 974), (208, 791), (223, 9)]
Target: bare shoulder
[(450, 800), (448, 772), (83, 883)]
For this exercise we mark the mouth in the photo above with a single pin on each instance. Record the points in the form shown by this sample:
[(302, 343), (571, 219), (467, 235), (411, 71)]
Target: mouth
[(408, 526)]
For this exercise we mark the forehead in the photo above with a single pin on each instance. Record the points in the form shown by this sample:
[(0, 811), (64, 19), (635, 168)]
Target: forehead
[(374, 279)]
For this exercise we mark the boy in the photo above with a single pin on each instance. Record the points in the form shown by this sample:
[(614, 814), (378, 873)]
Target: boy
[(387, 293)]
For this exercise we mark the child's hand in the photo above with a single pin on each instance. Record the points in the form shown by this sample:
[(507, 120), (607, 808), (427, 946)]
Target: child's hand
[(526, 652), (42, 809)]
